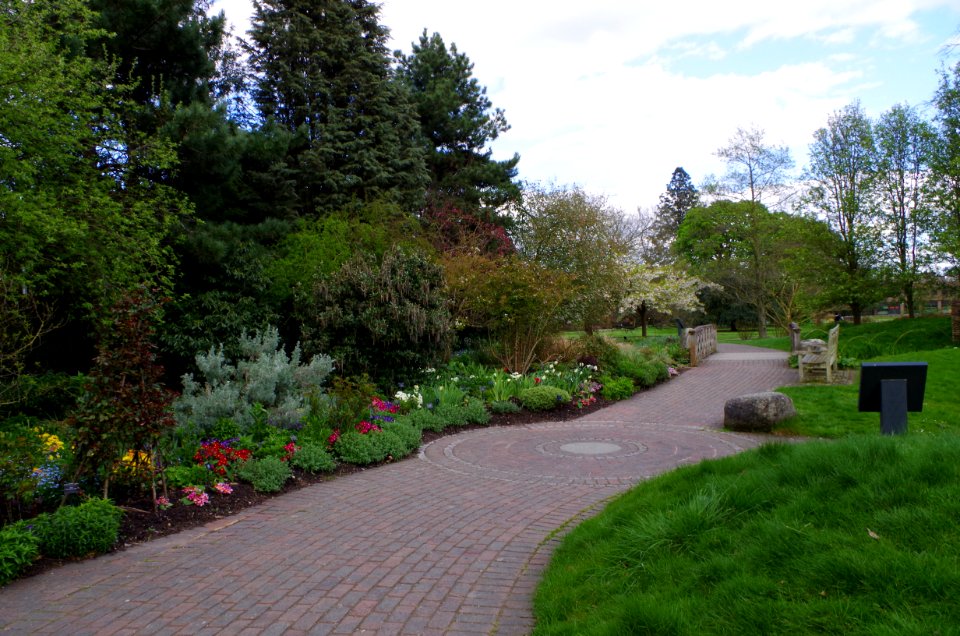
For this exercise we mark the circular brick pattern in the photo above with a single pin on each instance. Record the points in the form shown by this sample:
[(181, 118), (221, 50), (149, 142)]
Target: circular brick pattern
[(579, 452)]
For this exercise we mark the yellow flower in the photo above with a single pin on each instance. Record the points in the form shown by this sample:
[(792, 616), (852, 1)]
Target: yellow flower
[(51, 444)]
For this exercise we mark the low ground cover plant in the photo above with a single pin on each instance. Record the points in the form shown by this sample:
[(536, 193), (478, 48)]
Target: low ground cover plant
[(543, 398)]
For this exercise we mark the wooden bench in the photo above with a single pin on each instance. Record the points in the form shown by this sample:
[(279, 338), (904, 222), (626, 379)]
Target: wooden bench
[(824, 360)]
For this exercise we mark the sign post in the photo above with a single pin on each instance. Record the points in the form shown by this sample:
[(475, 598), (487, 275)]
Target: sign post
[(892, 389)]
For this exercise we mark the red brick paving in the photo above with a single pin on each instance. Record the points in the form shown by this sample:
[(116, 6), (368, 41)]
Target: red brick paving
[(450, 543)]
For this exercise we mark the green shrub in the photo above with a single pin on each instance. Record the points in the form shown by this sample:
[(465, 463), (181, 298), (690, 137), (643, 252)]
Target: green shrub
[(21, 450), (321, 419), (225, 428), (188, 475), (543, 398), (267, 474), (362, 449), (388, 317), (351, 399), (19, 547), (451, 415), (400, 439), (504, 407), (272, 445), (475, 412), (600, 349), (616, 388), (677, 352), (75, 531), (313, 458), (641, 367), (423, 419)]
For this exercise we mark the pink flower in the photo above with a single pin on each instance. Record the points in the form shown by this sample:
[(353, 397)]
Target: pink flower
[(365, 427), (195, 496), (163, 502), (223, 488)]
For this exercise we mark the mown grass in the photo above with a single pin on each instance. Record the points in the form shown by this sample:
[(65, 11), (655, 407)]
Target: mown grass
[(869, 340), (831, 410), (858, 536)]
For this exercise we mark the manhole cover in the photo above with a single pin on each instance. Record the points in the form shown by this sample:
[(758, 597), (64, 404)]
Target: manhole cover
[(590, 448)]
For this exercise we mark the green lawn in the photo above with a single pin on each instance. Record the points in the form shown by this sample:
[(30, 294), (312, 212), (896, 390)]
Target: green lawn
[(831, 411), (858, 536)]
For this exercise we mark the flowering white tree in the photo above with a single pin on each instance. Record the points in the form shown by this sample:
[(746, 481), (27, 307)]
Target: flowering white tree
[(661, 288)]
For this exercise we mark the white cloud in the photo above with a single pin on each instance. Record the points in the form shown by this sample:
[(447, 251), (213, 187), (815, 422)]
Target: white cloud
[(591, 97)]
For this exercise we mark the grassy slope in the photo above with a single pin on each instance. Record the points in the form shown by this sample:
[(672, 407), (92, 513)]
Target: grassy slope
[(852, 537)]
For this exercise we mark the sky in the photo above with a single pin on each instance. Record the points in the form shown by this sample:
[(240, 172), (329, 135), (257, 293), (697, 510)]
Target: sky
[(612, 96)]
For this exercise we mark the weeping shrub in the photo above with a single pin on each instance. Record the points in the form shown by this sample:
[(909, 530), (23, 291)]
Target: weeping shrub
[(388, 320)]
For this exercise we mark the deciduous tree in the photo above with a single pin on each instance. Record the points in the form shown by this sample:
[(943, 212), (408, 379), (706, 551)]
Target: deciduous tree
[(842, 188), (904, 144), (664, 288), (80, 221), (583, 236), (945, 167), (756, 172)]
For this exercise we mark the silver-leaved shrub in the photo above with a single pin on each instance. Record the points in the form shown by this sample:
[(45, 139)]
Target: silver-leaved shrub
[(265, 375)]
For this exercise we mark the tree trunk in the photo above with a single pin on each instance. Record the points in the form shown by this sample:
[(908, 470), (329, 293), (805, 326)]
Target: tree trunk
[(642, 315), (911, 302), (857, 310), (761, 322)]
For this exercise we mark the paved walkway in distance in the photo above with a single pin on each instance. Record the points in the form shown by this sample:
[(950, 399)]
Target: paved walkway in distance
[(452, 542)]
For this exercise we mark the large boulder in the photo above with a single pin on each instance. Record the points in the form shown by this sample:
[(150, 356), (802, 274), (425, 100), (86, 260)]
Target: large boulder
[(757, 412)]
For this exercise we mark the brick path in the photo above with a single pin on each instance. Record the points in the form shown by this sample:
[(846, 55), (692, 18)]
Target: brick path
[(452, 542)]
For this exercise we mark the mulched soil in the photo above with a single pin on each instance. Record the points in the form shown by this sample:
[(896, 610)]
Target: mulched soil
[(141, 523)]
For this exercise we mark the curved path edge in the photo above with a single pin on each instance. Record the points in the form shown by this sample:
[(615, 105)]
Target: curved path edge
[(451, 542)]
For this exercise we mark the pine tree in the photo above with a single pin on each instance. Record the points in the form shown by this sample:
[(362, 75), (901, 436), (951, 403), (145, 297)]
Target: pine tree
[(680, 197), (324, 73), (458, 124), (167, 48)]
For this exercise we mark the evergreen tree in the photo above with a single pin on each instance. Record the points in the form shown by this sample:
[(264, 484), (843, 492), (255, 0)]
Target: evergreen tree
[(166, 48), (458, 124), (323, 73), (680, 197)]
